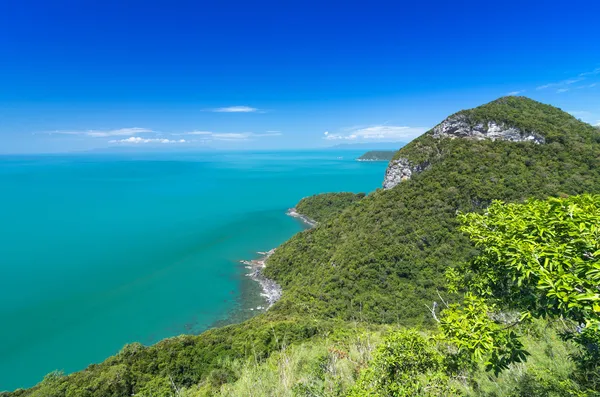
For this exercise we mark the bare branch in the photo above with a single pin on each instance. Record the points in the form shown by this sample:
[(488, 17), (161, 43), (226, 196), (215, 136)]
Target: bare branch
[(443, 301), (432, 310)]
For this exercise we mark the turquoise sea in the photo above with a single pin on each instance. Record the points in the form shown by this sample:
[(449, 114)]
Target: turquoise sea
[(100, 250)]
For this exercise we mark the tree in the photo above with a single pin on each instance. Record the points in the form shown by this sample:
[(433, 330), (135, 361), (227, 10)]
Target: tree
[(539, 259)]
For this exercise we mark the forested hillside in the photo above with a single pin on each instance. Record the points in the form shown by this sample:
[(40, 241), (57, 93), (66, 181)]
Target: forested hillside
[(321, 207), (374, 265), (383, 259)]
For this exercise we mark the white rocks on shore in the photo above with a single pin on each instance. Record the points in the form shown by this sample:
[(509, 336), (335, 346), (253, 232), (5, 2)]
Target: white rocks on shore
[(294, 214), (271, 290)]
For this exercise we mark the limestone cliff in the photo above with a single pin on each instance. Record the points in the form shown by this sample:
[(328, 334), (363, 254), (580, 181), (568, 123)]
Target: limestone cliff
[(460, 125), (400, 170)]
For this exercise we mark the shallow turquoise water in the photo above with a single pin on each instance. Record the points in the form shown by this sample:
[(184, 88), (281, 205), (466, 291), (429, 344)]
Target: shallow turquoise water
[(98, 251)]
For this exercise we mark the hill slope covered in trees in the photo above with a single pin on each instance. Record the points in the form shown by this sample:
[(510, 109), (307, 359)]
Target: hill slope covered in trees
[(321, 207), (383, 258)]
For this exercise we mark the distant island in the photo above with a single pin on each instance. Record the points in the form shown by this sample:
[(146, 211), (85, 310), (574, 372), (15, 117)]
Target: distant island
[(377, 155)]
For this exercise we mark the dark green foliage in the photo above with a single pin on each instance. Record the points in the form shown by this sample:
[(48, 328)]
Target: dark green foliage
[(526, 114), (321, 207), (377, 155), (531, 116), (587, 358), (178, 362), (383, 258)]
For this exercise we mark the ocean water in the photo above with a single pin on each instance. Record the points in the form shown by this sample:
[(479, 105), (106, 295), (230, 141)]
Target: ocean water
[(100, 250)]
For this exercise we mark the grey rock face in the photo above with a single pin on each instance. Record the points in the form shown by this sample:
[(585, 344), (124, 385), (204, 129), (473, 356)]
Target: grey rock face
[(459, 127), (400, 170)]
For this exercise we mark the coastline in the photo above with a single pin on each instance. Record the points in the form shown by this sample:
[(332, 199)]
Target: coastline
[(271, 290), (259, 293), (294, 214)]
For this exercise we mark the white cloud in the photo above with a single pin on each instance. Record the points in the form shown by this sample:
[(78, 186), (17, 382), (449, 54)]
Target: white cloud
[(513, 93), (377, 133), (597, 124), (196, 133), (560, 83), (106, 133), (137, 140), (587, 86), (231, 136), (234, 109), (591, 73), (270, 133), (562, 86)]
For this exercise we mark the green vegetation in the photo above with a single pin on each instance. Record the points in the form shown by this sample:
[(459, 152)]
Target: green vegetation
[(383, 259), (540, 259), (531, 116), (372, 363), (406, 364), (377, 155), (510, 321), (321, 207), (180, 362)]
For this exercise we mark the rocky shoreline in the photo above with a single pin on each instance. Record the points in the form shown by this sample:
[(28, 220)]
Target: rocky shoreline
[(271, 290), (294, 214)]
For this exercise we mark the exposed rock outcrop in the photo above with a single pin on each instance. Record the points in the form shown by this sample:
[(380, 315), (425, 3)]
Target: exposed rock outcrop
[(400, 170), (271, 290), (295, 214), (459, 126)]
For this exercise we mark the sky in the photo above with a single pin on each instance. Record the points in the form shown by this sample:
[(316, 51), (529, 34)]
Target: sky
[(78, 75)]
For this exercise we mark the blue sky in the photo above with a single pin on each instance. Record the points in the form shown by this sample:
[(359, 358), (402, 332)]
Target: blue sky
[(81, 74)]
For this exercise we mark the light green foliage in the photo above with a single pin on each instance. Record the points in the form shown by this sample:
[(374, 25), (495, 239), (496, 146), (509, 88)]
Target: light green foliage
[(479, 336), (325, 368), (541, 257), (321, 207), (547, 371), (405, 364)]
